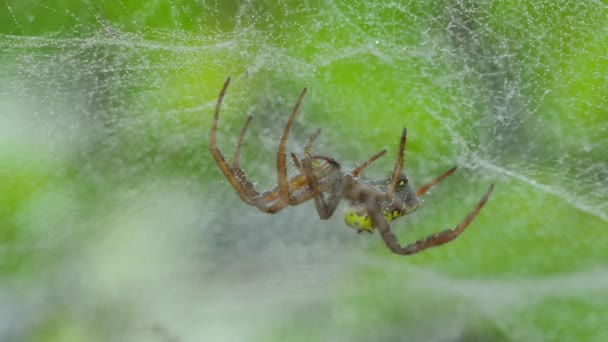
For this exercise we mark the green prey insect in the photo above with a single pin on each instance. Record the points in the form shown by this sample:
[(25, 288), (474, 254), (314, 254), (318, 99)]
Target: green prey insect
[(372, 203)]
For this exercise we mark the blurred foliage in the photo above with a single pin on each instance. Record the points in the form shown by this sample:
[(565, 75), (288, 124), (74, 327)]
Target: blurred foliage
[(116, 224)]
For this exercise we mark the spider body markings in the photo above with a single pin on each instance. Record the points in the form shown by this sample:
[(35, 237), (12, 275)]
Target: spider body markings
[(372, 203), (356, 216)]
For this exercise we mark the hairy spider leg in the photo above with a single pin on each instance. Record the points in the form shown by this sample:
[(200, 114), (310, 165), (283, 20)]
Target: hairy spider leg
[(281, 158), (306, 167), (294, 183), (307, 149), (236, 168), (308, 145), (235, 175), (264, 199), (324, 208), (423, 189), (295, 161), (268, 201), (356, 171), (398, 165), (379, 221), (300, 192), (237, 151), (234, 179)]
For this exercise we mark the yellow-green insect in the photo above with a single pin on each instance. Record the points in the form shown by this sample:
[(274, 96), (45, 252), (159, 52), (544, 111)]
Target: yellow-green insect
[(372, 203)]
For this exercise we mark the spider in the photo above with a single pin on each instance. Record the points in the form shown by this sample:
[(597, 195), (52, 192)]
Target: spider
[(372, 203)]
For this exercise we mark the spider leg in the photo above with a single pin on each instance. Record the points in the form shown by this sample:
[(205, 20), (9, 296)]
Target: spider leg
[(242, 187), (398, 165), (308, 146), (281, 158), (248, 186), (237, 151), (300, 189), (423, 189), (307, 149), (362, 166), (295, 161), (431, 241), (324, 208), (268, 201), (354, 173), (299, 186)]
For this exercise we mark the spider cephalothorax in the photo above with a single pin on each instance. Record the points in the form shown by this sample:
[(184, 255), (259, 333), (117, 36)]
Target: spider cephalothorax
[(404, 201), (372, 204)]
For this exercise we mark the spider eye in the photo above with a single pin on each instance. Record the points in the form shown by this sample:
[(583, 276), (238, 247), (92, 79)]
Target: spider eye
[(402, 181)]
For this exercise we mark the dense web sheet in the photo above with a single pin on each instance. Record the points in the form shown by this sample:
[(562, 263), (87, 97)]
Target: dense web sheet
[(113, 199)]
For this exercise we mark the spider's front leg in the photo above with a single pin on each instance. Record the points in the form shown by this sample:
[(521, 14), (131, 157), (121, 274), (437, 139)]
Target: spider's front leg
[(379, 221)]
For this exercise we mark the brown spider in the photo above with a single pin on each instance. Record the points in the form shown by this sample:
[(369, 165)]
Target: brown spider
[(373, 203)]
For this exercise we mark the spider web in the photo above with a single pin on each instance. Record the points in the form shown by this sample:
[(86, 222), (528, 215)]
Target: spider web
[(116, 223)]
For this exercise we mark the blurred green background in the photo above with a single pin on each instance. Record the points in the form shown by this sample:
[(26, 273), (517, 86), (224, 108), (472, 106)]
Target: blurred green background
[(115, 223)]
